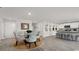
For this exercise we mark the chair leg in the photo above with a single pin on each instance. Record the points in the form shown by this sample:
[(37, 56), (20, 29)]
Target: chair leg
[(16, 43), (29, 45), (25, 42), (38, 39), (35, 43)]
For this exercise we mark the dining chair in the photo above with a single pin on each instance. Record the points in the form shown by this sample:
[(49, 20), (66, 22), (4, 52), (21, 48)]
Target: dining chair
[(19, 37), (38, 35), (32, 39)]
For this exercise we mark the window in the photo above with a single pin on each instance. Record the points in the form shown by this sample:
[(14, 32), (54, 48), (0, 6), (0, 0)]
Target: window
[(53, 28), (46, 27)]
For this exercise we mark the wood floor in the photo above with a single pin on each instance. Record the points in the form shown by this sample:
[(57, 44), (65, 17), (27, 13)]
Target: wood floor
[(48, 44)]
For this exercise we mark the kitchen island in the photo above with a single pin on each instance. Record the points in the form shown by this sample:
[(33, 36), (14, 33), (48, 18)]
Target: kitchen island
[(68, 35)]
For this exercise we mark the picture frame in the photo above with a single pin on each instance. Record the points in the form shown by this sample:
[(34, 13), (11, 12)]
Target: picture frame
[(24, 26)]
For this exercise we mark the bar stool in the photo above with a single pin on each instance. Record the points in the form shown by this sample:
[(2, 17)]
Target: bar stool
[(77, 38), (70, 37), (74, 37), (65, 36), (57, 35), (62, 35)]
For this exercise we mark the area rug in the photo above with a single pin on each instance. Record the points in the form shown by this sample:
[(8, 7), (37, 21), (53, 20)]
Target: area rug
[(21, 44)]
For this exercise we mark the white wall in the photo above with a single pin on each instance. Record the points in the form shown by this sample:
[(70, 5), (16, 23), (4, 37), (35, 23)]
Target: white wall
[(1, 29), (41, 27), (7, 27), (18, 24)]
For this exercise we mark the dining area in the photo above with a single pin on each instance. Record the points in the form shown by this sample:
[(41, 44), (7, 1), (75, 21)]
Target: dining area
[(31, 38)]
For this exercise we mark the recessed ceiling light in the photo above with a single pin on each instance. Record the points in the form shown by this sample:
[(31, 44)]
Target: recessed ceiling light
[(29, 13)]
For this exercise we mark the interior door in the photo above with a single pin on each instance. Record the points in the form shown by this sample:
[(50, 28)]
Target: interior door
[(9, 28)]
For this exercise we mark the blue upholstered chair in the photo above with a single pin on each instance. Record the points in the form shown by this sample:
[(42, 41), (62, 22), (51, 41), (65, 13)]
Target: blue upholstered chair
[(32, 39)]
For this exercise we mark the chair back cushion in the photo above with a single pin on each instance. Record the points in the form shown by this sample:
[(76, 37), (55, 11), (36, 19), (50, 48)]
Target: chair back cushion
[(32, 37)]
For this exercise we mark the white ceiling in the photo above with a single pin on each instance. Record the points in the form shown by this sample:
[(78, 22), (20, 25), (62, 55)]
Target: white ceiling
[(39, 14)]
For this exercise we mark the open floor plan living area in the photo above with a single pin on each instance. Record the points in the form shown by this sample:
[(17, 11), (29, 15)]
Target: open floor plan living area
[(39, 28)]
